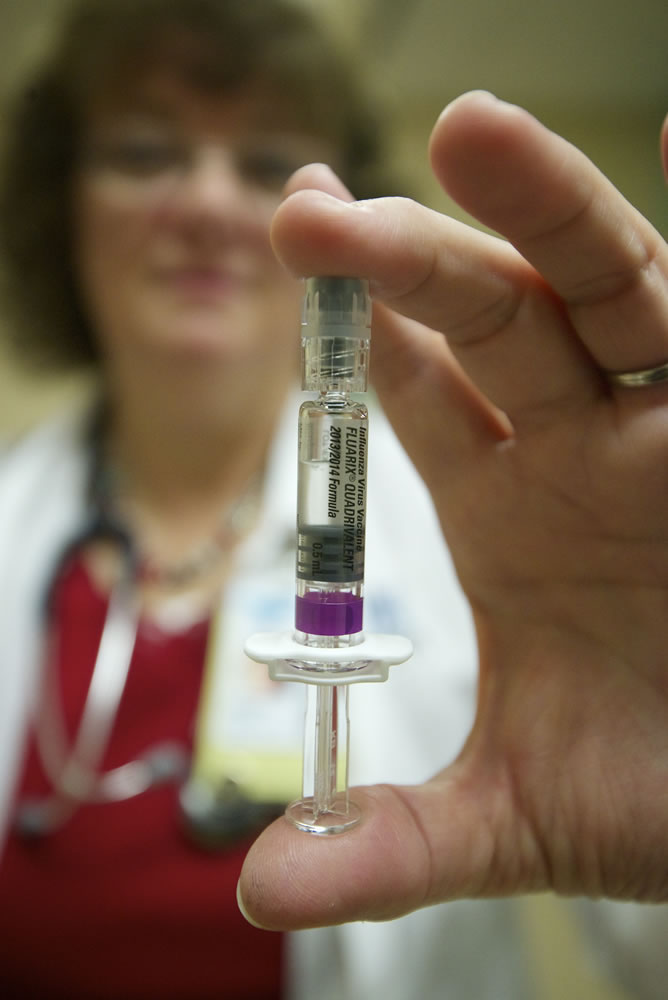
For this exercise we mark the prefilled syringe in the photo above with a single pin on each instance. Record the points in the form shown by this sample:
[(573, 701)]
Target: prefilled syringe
[(328, 651), (331, 523)]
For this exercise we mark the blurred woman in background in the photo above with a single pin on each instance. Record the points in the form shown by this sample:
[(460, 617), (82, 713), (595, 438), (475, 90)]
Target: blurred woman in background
[(143, 167)]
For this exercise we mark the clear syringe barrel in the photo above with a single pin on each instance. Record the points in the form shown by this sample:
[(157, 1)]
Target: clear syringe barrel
[(332, 477), (328, 651)]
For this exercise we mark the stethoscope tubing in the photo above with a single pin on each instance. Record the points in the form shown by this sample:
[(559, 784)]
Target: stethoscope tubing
[(73, 767)]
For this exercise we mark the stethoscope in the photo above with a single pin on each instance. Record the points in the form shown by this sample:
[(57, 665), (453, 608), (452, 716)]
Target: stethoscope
[(73, 766), (213, 816)]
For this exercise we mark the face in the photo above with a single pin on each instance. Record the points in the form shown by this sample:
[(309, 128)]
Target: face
[(172, 206)]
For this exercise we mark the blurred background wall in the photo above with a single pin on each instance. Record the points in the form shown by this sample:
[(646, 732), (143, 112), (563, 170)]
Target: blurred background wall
[(594, 70)]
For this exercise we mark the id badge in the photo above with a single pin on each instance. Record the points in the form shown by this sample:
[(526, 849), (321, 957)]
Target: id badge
[(247, 759)]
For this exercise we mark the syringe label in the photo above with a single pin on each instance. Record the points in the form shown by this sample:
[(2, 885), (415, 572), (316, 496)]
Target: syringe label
[(332, 514)]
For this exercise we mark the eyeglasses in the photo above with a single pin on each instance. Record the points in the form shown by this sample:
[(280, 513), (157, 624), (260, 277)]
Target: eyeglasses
[(145, 154)]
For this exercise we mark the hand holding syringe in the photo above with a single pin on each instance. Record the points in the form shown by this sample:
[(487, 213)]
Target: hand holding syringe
[(328, 650)]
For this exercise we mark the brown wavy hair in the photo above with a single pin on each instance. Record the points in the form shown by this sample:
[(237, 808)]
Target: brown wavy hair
[(216, 46)]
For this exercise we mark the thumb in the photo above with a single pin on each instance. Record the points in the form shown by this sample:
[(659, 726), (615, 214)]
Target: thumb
[(414, 846)]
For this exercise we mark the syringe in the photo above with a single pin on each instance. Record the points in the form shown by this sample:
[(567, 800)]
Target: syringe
[(328, 649), (331, 525)]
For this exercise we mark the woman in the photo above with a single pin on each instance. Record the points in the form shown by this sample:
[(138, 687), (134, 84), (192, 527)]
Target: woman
[(166, 132), (142, 173)]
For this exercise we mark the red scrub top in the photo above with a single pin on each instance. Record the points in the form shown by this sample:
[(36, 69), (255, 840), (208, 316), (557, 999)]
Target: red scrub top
[(119, 904)]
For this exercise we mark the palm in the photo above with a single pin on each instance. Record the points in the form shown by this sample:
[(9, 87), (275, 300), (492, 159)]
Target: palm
[(537, 519), (559, 536)]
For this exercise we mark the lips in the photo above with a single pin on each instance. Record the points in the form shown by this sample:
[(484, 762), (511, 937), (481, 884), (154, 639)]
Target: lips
[(204, 280)]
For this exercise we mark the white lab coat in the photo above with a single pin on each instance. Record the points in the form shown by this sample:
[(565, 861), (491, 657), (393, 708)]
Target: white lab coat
[(401, 731)]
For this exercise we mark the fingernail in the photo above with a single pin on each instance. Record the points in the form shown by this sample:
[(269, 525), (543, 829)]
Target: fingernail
[(463, 98), (244, 911), (480, 92), (317, 176)]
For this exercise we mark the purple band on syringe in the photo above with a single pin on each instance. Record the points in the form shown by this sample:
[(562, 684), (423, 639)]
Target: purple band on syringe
[(337, 613)]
